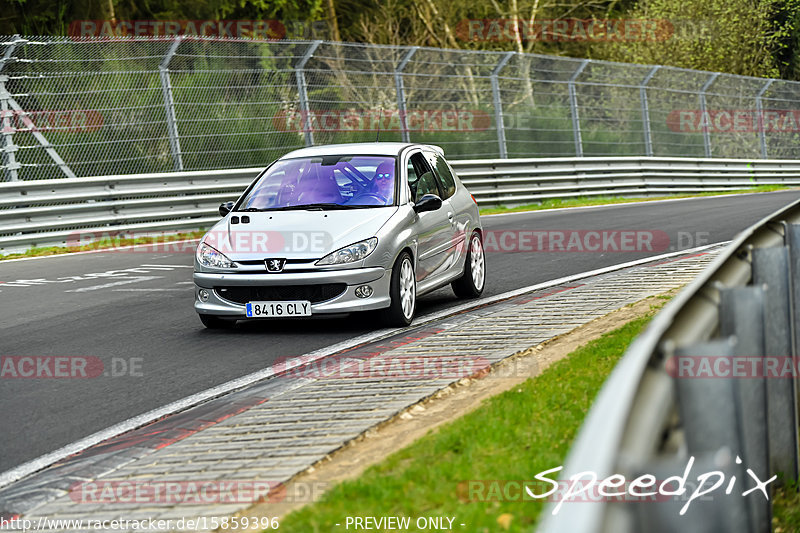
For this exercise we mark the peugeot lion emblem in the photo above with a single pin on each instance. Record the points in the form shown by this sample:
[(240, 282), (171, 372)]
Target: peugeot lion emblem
[(275, 265)]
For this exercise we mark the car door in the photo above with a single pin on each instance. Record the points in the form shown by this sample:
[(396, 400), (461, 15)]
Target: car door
[(433, 228)]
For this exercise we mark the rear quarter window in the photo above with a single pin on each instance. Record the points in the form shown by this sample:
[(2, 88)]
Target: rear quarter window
[(444, 174)]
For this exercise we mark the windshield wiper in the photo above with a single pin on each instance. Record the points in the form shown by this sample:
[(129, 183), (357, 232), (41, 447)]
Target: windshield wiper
[(317, 206)]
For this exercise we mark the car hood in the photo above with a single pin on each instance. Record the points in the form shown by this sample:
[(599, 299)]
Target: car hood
[(295, 234)]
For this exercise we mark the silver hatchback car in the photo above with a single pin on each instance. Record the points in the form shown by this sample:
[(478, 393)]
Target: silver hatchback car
[(341, 229)]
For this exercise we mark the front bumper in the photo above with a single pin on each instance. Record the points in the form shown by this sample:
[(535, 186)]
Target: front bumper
[(376, 277)]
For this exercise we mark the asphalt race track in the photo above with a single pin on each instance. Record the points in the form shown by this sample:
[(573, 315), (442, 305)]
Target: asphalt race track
[(140, 323)]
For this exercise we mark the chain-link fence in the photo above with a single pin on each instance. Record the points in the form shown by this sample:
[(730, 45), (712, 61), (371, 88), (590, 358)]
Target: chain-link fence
[(74, 107)]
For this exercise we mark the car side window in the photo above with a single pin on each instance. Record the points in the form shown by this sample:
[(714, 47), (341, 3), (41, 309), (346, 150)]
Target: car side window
[(422, 180), (445, 175)]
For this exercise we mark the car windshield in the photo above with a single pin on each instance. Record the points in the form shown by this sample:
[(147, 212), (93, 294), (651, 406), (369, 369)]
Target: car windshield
[(324, 182)]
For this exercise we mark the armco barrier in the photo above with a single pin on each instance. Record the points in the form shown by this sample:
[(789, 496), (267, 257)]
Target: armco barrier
[(735, 414), (49, 212)]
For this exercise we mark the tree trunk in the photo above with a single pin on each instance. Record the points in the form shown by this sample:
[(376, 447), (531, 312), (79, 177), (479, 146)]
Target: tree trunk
[(334, 24)]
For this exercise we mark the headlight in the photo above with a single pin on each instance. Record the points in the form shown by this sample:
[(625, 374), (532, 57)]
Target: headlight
[(350, 254), (211, 257)]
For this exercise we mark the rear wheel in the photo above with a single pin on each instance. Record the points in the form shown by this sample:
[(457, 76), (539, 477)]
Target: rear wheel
[(403, 292), (215, 322), (470, 284)]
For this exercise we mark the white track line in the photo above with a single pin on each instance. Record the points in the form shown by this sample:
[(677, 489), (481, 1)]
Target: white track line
[(46, 460)]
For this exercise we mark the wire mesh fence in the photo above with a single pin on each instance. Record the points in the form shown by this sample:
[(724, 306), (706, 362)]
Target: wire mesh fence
[(91, 107)]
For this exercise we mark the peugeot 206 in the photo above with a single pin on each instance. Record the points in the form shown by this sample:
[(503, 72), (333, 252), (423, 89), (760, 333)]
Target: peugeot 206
[(341, 229)]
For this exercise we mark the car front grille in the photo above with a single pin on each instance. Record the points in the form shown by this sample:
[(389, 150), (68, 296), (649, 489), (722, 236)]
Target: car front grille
[(312, 293)]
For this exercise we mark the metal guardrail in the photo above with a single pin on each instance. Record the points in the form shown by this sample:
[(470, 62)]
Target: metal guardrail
[(651, 416), (515, 181), (55, 212)]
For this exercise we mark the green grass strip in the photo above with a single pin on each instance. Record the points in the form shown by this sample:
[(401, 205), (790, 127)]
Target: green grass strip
[(555, 203), (786, 509), (165, 243)]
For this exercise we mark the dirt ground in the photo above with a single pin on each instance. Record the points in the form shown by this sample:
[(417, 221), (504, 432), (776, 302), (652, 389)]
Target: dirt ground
[(448, 404)]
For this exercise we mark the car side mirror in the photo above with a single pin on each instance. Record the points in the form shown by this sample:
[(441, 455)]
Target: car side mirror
[(225, 208), (428, 202)]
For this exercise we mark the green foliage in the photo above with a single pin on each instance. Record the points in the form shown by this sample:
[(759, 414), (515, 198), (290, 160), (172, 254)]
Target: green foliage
[(752, 38), (52, 17), (749, 37)]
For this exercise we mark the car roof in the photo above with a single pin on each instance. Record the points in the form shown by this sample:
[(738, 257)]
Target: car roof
[(373, 148)]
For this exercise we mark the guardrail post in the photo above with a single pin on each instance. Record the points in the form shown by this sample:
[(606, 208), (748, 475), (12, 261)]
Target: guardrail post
[(741, 314), (711, 421), (10, 48), (401, 93), (169, 105), (760, 114), (648, 140), (9, 148), (302, 91), (792, 240), (573, 106), (771, 269), (704, 114), (22, 115), (498, 105)]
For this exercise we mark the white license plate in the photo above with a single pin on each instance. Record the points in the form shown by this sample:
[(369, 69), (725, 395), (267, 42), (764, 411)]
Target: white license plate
[(278, 309)]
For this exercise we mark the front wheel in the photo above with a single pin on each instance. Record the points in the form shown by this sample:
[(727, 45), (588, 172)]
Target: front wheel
[(403, 292), (215, 322), (470, 284)]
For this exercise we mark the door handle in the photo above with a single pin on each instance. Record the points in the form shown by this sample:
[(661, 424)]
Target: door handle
[(450, 216)]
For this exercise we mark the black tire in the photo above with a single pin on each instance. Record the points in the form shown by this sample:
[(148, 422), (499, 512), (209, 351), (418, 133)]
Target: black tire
[(398, 315), (472, 282), (215, 322)]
